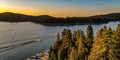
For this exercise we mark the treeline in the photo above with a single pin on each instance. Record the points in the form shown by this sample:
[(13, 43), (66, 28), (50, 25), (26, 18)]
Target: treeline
[(105, 45), (49, 20)]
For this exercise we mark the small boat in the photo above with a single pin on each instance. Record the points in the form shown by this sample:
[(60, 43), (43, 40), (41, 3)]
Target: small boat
[(39, 40)]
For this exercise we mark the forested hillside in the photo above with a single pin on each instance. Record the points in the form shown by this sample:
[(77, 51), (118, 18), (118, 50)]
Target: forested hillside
[(49, 20), (77, 45)]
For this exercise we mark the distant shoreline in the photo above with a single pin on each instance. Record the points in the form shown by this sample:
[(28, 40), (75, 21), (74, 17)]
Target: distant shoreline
[(53, 21)]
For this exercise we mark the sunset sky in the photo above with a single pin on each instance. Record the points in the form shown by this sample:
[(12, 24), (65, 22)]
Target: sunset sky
[(60, 8)]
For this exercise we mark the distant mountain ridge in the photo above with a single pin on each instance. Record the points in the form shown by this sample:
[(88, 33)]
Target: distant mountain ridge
[(49, 20), (111, 15)]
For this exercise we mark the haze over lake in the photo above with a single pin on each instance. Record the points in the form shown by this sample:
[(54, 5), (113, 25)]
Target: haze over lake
[(21, 40)]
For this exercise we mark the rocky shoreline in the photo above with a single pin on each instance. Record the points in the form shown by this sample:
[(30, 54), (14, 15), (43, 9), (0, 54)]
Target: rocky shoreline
[(44, 55)]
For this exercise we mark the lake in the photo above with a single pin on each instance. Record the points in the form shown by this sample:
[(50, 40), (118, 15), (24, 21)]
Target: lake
[(21, 40)]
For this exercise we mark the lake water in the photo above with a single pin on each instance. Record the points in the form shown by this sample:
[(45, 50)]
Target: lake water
[(21, 40)]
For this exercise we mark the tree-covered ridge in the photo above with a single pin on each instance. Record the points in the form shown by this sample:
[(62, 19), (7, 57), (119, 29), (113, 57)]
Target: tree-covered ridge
[(105, 45), (50, 20)]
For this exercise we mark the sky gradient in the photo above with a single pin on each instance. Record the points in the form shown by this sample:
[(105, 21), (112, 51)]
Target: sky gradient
[(60, 8)]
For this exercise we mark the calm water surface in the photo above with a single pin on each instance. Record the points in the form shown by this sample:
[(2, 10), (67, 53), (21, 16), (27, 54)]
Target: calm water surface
[(21, 40)]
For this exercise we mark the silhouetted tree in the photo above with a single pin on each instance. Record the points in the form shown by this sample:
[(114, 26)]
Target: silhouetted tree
[(89, 37)]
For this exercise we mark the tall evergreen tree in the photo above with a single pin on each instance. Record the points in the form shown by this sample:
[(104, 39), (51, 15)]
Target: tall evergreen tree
[(53, 51), (117, 41), (100, 48), (57, 43), (66, 38), (104, 47), (81, 46), (89, 37)]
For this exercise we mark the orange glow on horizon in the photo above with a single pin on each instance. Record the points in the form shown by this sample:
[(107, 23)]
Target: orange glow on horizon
[(58, 9), (56, 13), (8, 8)]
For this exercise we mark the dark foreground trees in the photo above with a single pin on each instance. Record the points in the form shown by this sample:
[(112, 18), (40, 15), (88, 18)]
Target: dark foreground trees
[(78, 46)]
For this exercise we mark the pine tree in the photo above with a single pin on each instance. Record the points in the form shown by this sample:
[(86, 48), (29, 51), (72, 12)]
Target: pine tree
[(57, 43), (89, 37), (104, 47), (74, 38), (100, 47), (116, 38), (81, 46), (66, 38)]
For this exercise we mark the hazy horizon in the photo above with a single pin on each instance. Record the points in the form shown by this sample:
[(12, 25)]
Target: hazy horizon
[(60, 8)]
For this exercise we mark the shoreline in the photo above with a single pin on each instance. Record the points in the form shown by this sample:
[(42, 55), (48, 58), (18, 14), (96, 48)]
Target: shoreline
[(44, 55), (59, 21)]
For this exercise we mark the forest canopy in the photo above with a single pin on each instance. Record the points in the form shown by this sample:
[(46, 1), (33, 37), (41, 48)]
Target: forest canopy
[(77, 45)]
